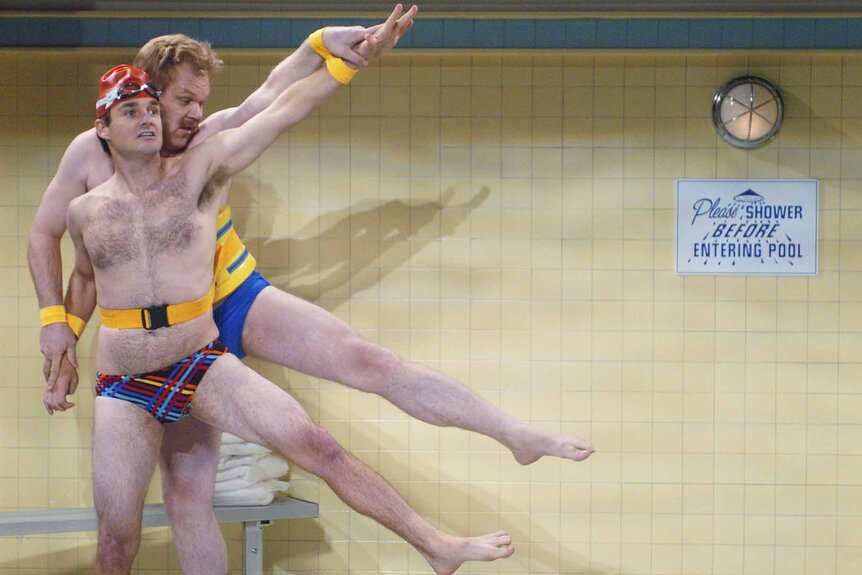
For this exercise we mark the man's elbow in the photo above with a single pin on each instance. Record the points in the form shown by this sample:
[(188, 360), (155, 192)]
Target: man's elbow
[(43, 238)]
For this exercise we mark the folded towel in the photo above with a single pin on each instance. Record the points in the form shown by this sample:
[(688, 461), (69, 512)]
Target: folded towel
[(266, 467), (236, 484), (253, 496), (232, 473), (231, 461), (259, 494)]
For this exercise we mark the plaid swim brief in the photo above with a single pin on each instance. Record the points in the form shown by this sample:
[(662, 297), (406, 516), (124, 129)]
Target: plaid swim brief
[(165, 393)]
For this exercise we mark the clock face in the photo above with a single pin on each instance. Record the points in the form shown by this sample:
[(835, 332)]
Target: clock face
[(747, 112)]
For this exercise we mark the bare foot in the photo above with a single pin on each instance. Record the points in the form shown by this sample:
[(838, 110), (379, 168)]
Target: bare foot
[(530, 444), (452, 552)]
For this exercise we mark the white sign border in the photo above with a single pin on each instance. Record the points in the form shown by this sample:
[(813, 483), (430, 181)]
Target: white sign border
[(747, 274)]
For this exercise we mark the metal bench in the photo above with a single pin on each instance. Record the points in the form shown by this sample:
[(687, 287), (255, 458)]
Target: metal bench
[(42, 521)]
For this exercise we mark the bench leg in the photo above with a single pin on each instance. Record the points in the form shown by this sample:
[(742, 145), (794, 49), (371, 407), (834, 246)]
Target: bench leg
[(254, 546)]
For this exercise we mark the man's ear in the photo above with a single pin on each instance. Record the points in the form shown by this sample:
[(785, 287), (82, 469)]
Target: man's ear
[(101, 129)]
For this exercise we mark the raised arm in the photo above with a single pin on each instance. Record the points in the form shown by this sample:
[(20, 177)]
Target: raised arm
[(43, 247), (348, 43), (295, 67)]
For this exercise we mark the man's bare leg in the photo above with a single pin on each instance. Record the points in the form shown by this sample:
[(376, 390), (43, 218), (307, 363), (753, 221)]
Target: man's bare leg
[(189, 461), (126, 443), (292, 332), (234, 398)]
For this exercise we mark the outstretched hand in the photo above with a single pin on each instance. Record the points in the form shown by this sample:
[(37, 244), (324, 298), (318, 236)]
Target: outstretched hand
[(381, 38), (342, 41), (357, 45)]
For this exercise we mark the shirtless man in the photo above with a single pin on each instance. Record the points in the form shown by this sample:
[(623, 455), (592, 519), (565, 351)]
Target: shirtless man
[(184, 68), (146, 238), (256, 318)]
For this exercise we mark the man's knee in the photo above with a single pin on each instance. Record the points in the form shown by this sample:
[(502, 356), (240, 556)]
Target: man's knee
[(187, 494), (316, 451), (118, 545), (369, 367)]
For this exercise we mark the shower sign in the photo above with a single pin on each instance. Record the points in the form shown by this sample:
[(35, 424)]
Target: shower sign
[(746, 227)]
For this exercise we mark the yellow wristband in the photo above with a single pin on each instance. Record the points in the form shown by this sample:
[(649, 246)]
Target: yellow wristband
[(76, 323), (52, 314), (339, 70), (315, 40)]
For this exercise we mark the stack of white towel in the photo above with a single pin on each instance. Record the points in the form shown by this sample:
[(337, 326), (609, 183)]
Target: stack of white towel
[(247, 473)]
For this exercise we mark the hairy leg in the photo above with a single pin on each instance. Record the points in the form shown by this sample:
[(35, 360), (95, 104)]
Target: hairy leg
[(189, 461), (234, 398), (126, 443), (289, 331)]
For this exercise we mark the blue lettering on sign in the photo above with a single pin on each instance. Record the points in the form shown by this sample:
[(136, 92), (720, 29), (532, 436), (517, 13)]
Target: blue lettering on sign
[(785, 250), (747, 228), (773, 212), (712, 209), (725, 250), (744, 230)]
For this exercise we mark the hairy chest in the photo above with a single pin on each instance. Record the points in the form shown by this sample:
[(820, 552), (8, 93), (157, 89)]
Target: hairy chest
[(148, 226)]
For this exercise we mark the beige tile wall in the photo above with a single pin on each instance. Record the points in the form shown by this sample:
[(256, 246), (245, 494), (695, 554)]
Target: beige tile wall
[(509, 220)]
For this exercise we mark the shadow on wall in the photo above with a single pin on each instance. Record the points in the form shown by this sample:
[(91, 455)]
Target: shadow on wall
[(330, 255)]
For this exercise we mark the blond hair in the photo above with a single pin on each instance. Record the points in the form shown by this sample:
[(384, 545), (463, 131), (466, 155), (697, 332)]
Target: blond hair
[(160, 56)]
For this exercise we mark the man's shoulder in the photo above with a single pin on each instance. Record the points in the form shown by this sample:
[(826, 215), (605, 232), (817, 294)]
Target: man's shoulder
[(81, 207), (85, 161), (78, 207), (85, 151), (86, 199), (86, 144)]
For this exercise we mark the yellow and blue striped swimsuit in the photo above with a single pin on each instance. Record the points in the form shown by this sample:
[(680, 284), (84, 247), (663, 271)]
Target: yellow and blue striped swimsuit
[(234, 262)]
